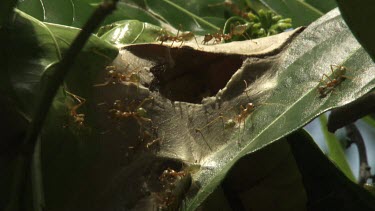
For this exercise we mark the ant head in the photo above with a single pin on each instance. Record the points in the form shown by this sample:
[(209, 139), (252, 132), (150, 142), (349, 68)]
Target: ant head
[(79, 119), (250, 106), (342, 68), (115, 112), (110, 68), (117, 104), (229, 124), (111, 72), (141, 112)]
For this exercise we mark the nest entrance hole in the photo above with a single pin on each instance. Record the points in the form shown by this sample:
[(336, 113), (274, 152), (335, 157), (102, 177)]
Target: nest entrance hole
[(193, 75)]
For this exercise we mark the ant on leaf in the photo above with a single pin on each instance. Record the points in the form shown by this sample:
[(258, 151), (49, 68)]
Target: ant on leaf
[(180, 37), (338, 76), (139, 114), (236, 30), (115, 75)]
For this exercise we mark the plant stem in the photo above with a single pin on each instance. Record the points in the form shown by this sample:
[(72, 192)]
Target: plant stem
[(37, 177), (355, 136), (48, 92)]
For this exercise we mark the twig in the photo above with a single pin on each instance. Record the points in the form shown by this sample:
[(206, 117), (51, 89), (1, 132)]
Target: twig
[(355, 136), (45, 100)]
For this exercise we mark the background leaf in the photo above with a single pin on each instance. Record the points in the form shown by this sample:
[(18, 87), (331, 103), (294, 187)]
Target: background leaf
[(335, 150), (191, 15), (76, 12), (69, 13), (301, 12), (356, 16), (326, 186)]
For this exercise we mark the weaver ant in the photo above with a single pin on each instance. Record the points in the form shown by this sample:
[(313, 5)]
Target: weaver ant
[(77, 118), (140, 114), (116, 75), (218, 37), (175, 185), (236, 30), (180, 37), (329, 86)]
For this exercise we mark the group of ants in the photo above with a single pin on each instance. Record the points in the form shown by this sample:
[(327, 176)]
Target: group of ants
[(217, 37), (120, 112), (171, 179)]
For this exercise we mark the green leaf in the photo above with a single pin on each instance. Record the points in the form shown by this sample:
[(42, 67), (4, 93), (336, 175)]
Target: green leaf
[(70, 13), (132, 31), (335, 150), (191, 15), (126, 11), (356, 15), (293, 96), (269, 174), (325, 185), (369, 120), (32, 47), (76, 12), (301, 12), (322, 6), (6, 9)]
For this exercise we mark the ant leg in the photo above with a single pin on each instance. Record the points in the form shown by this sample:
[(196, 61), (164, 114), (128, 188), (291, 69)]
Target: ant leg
[(332, 67), (102, 84), (210, 123), (204, 139), (182, 42), (327, 77), (80, 100), (197, 43), (178, 31), (246, 89), (143, 101)]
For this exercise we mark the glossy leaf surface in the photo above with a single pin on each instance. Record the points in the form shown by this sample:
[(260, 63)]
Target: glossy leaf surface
[(132, 31)]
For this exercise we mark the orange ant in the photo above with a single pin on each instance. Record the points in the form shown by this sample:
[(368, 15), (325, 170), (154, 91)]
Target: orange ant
[(183, 37), (338, 77), (78, 118), (164, 37), (236, 30), (139, 114), (218, 37), (115, 75), (170, 174), (175, 185), (245, 112)]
